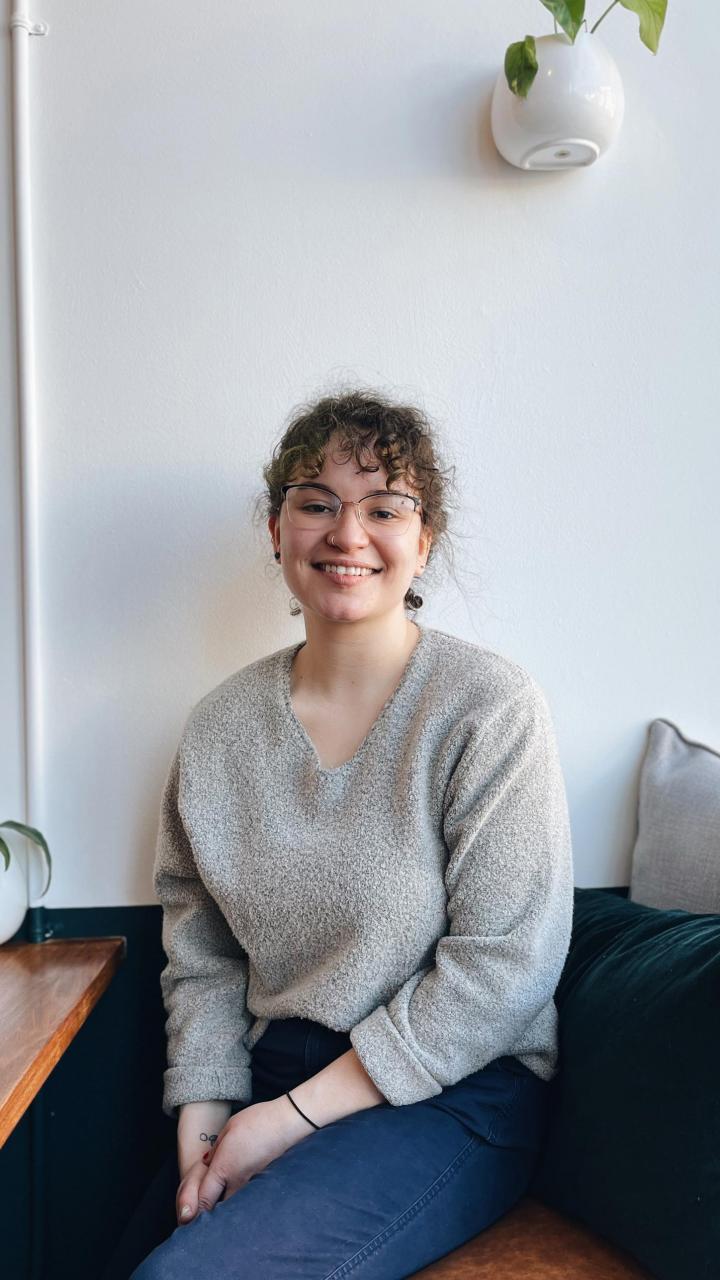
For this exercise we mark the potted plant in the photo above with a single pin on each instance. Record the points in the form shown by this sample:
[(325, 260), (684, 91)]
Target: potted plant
[(558, 103), (13, 887)]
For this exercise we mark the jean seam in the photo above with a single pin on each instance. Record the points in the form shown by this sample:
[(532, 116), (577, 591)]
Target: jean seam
[(402, 1219), (502, 1110)]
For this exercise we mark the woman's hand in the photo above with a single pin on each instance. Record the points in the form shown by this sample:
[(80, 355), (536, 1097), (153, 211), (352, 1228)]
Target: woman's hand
[(248, 1143)]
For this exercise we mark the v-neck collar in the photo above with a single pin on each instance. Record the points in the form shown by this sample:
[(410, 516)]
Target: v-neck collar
[(411, 666)]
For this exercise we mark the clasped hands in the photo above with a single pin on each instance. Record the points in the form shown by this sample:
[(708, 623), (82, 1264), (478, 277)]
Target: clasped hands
[(250, 1141)]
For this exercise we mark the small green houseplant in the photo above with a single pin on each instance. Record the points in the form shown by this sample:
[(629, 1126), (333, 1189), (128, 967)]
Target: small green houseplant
[(31, 833), (13, 884), (521, 63)]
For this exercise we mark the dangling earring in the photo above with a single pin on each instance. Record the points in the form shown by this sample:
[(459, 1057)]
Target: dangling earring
[(412, 599), (277, 555)]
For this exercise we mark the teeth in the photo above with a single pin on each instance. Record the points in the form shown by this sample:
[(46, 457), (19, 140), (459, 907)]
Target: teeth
[(342, 568)]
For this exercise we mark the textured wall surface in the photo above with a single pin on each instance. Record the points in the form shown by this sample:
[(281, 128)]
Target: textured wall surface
[(235, 211)]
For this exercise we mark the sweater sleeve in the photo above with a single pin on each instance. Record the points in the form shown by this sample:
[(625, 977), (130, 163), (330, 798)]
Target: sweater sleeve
[(510, 900), (205, 980)]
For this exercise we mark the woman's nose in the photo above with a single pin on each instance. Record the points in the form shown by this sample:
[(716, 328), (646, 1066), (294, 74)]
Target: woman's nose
[(347, 529)]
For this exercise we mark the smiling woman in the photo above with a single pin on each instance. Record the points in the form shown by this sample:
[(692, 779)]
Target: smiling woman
[(372, 447), (365, 871), (350, 540), (355, 501)]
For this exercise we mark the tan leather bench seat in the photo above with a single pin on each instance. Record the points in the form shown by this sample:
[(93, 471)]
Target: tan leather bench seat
[(533, 1242)]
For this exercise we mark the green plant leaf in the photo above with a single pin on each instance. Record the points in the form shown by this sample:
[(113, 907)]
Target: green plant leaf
[(521, 66), (568, 14), (5, 853), (652, 17), (30, 833)]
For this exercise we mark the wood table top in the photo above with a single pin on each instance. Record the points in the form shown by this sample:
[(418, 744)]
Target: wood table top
[(47, 990)]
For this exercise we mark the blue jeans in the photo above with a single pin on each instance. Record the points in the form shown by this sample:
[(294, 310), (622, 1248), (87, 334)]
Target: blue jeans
[(376, 1195)]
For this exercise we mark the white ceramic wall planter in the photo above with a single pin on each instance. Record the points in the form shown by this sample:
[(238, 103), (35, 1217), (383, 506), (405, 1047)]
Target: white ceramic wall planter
[(573, 111)]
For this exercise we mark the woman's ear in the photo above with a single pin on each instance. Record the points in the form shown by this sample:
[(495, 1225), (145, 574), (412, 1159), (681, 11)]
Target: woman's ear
[(273, 527), (424, 547)]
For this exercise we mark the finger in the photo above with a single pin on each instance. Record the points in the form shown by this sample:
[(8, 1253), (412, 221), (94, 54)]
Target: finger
[(211, 1187), (186, 1200), (186, 1206)]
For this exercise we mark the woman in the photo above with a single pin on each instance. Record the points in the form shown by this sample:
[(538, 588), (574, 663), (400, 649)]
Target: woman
[(364, 864)]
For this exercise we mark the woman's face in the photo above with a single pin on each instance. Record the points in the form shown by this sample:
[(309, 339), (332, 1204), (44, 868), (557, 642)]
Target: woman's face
[(394, 559)]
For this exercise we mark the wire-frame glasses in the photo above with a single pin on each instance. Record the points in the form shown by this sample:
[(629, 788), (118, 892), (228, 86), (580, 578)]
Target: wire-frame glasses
[(314, 506)]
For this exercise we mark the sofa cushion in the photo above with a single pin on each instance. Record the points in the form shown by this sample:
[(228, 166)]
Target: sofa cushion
[(676, 859), (633, 1147)]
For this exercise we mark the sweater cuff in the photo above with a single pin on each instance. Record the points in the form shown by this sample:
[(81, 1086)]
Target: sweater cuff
[(203, 1084), (396, 1072)]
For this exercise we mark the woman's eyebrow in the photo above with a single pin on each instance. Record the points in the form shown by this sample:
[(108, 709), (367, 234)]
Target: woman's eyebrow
[(373, 493)]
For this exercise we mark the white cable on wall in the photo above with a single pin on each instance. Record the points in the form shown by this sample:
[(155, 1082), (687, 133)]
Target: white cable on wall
[(21, 30)]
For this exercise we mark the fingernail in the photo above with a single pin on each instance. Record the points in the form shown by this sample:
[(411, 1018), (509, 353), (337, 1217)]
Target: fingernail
[(186, 1211)]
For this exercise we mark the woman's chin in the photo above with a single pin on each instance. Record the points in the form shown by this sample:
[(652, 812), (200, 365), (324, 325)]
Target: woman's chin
[(340, 606), (341, 610), (345, 604)]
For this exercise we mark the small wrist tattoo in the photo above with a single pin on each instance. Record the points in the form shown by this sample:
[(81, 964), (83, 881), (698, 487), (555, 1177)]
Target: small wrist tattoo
[(209, 1137)]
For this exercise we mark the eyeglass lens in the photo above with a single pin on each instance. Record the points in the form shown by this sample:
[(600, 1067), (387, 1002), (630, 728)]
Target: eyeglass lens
[(310, 508)]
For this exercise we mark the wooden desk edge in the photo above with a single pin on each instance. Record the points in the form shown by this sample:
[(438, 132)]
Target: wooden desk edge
[(28, 1086)]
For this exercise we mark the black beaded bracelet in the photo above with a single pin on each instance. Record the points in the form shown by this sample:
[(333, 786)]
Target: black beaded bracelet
[(302, 1113)]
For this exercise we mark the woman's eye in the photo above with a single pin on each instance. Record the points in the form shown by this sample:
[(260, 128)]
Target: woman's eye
[(385, 516), (315, 508)]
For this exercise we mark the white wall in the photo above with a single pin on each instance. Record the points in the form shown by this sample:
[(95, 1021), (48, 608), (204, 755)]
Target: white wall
[(238, 205)]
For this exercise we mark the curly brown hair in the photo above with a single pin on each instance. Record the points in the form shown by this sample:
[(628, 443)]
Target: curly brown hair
[(369, 428)]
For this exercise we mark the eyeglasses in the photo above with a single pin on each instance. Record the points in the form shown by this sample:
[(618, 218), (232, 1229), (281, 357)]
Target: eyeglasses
[(313, 506)]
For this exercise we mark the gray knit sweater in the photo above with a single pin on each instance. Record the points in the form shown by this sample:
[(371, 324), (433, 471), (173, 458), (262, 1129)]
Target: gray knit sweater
[(418, 896)]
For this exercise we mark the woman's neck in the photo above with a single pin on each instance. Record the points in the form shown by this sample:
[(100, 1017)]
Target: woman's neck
[(352, 661)]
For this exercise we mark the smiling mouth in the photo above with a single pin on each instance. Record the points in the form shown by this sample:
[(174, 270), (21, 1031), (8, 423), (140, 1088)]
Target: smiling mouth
[(350, 572)]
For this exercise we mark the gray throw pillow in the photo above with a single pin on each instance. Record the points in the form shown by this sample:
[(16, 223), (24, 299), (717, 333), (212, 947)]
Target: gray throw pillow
[(676, 859)]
